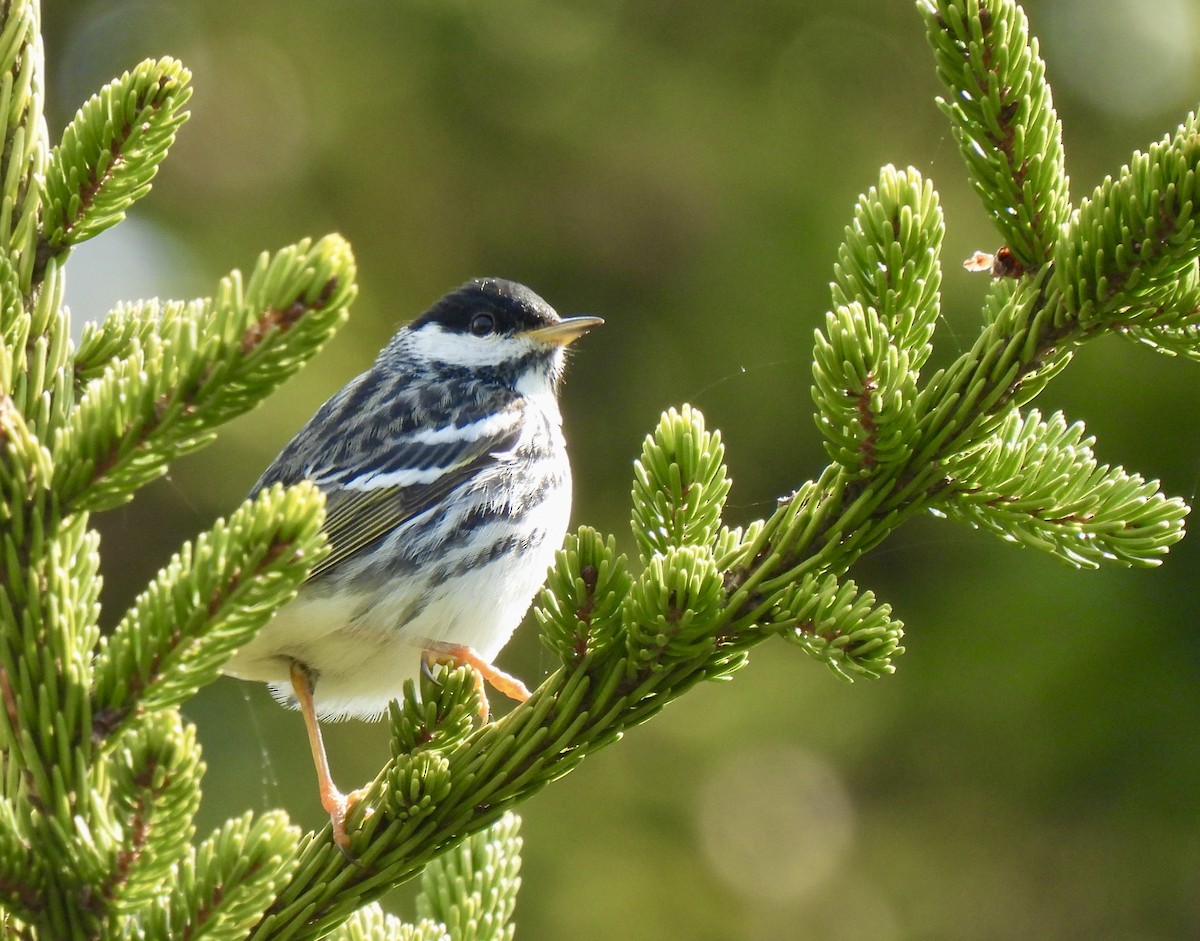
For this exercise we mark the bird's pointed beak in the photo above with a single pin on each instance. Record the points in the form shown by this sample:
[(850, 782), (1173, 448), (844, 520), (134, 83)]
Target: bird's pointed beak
[(564, 332)]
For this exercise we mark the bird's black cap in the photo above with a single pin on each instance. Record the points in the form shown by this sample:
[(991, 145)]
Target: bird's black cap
[(514, 307)]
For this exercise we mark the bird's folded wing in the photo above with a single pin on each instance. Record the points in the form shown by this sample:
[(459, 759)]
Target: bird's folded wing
[(419, 471)]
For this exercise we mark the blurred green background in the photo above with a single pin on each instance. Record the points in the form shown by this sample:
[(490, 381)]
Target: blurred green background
[(685, 169)]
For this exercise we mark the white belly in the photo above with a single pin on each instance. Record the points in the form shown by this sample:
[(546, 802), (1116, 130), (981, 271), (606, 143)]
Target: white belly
[(361, 650)]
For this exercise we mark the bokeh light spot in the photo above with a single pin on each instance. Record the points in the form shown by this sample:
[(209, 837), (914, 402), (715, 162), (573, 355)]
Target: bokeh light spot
[(1126, 57), (775, 823)]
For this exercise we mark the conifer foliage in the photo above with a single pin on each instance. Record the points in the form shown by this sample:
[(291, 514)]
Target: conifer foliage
[(101, 775)]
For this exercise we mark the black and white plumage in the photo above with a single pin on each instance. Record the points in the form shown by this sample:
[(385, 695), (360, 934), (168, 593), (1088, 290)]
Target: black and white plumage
[(448, 490)]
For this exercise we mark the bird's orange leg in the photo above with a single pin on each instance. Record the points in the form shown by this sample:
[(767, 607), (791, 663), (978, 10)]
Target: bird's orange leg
[(505, 683), (336, 804)]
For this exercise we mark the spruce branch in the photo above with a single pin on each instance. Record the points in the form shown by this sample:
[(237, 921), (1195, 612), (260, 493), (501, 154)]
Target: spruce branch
[(1127, 249), (94, 833), (24, 154), (211, 598), (579, 609), (155, 794), (835, 623), (1038, 482), (864, 386), (867, 360), (109, 154), (671, 609), (890, 260), (49, 600), (371, 923), (1173, 327), (572, 714), (1003, 118), (220, 888), (781, 575), (472, 889), (680, 484), (198, 366)]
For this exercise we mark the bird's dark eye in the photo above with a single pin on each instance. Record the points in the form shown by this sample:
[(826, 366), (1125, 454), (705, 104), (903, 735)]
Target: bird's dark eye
[(483, 324)]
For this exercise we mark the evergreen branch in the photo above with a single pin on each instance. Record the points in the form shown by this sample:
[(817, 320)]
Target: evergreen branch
[(370, 923), (868, 358), (829, 523), (14, 329), (1173, 326), (31, 306), (220, 890), (49, 605), (1003, 117), (22, 875), (140, 414), (25, 468), (134, 332), (670, 611), (579, 609), (842, 627), (210, 599), (468, 787), (1019, 350), (679, 484), (110, 153), (1125, 251), (1038, 483), (1181, 340), (864, 386), (23, 156), (427, 801), (438, 713), (472, 889), (436, 797), (889, 261), (155, 795), (204, 365)]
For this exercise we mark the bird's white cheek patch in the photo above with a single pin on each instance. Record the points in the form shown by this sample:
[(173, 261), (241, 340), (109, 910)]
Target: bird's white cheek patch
[(433, 343)]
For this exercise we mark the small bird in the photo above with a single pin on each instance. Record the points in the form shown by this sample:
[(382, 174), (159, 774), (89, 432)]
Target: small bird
[(447, 492)]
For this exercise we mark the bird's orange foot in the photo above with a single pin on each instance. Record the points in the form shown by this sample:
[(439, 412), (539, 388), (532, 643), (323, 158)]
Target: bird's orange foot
[(338, 806), (485, 672)]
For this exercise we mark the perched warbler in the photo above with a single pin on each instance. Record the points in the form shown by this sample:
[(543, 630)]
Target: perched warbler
[(447, 491)]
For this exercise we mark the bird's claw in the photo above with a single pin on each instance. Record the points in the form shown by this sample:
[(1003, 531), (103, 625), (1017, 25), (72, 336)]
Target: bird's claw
[(484, 672), (339, 806)]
